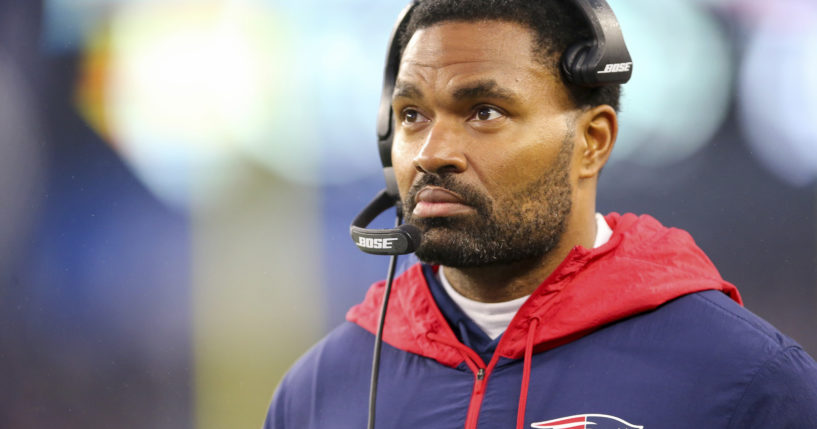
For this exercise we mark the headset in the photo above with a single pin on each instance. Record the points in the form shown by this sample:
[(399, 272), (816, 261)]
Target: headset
[(600, 61)]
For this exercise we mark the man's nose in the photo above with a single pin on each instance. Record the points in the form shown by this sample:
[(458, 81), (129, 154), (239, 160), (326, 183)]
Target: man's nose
[(442, 150)]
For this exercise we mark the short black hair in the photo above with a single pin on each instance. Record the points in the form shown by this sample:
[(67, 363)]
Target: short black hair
[(557, 25)]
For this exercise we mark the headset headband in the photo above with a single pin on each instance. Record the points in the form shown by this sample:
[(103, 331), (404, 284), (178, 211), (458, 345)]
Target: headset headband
[(385, 133)]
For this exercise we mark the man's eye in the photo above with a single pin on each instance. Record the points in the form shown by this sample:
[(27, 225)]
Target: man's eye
[(412, 116), (486, 113)]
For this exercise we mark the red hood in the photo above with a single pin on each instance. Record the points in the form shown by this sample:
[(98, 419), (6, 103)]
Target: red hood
[(642, 266)]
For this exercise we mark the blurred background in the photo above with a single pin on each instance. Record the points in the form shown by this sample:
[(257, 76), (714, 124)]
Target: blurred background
[(177, 178)]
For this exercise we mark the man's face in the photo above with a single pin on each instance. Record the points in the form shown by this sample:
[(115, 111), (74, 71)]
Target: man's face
[(483, 144)]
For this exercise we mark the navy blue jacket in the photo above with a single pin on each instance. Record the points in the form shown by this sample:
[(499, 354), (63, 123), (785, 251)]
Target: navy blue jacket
[(641, 332)]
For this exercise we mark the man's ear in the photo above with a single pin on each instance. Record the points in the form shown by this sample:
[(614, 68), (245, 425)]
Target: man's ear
[(599, 127)]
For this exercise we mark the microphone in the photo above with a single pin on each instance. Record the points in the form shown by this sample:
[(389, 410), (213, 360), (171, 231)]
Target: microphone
[(395, 241)]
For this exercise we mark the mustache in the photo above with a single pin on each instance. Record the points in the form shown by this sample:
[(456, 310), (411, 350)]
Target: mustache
[(470, 196)]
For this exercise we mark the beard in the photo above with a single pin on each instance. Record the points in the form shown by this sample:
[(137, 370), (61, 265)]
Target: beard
[(523, 225)]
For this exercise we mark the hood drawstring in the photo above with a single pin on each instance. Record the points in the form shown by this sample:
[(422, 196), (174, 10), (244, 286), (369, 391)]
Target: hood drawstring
[(523, 391), (475, 363)]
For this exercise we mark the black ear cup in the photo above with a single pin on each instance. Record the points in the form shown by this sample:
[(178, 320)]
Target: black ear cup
[(602, 60), (572, 60)]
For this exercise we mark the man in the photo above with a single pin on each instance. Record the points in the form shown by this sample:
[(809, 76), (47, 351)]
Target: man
[(529, 309)]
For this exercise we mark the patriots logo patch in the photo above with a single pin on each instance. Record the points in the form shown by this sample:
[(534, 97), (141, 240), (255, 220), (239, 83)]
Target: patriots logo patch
[(586, 421)]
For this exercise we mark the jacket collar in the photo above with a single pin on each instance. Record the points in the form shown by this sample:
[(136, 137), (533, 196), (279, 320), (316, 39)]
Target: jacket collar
[(641, 267)]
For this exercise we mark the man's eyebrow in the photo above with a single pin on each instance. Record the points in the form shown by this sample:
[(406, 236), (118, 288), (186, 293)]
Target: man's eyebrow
[(404, 89), (484, 89), (480, 89)]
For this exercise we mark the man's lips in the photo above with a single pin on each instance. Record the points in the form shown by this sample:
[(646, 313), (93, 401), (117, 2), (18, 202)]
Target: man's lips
[(433, 201)]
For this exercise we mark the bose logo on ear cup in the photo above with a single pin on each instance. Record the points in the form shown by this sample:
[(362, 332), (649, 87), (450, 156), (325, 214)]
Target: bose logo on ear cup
[(617, 68), (376, 243)]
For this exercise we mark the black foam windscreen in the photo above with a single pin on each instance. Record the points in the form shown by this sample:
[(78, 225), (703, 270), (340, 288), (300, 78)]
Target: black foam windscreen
[(395, 241)]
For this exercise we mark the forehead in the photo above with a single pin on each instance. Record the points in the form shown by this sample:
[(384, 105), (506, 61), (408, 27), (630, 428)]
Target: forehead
[(451, 52), (490, 38)]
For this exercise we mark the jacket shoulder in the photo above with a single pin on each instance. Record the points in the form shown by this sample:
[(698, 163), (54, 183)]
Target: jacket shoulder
[(731, 325), (700, 360), (777, 379)]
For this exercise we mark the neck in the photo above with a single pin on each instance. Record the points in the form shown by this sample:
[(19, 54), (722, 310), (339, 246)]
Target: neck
[(504, 282)]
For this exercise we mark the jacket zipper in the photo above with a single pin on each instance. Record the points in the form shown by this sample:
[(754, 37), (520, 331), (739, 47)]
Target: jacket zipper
[(480, 379), (481, 375)]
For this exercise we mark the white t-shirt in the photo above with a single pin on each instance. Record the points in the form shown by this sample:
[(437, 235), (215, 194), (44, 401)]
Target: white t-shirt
[(494, 317)]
